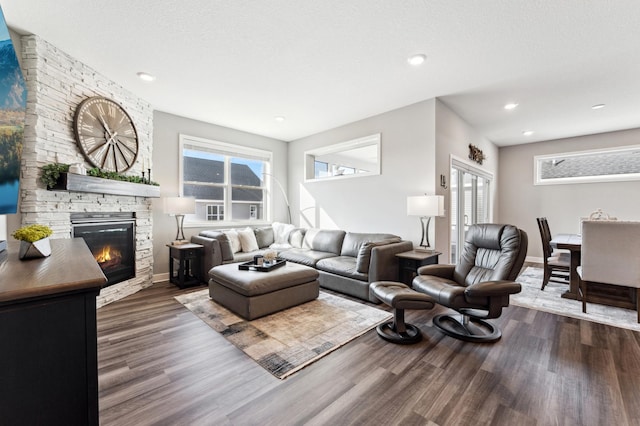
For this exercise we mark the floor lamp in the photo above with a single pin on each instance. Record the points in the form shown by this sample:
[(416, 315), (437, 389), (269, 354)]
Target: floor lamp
[(425, 206), (178, 207), (284, 194)]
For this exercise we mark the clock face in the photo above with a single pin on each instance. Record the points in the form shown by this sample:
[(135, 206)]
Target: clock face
[(105, 134)]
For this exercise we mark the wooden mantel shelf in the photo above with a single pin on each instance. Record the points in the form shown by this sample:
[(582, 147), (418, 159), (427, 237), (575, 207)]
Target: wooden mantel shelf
[(81, 183)]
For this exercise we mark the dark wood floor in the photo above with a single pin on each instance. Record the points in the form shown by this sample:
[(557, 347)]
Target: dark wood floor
[(160, 364)]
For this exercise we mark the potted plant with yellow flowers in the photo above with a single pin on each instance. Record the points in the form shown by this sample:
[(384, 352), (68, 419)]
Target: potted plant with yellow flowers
[(34, 241)]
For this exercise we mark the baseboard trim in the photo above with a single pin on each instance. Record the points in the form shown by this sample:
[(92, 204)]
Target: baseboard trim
[(157, 278), (530, 259)]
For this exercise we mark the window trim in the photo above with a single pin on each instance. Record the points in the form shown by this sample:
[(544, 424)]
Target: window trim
[(226, 149), (622, 177), (310, 157)]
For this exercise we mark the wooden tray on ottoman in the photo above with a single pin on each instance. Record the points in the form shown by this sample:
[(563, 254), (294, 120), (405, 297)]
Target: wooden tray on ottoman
[(250, 266)]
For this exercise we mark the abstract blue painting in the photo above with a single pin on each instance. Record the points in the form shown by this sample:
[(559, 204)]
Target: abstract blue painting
[(13, 104)]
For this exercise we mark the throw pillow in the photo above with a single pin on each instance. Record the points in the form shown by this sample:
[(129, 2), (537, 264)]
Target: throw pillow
[(225, 247), (364, 254), (364, 257), (264, 236), (248, 240), (234, 240), (281, 232)]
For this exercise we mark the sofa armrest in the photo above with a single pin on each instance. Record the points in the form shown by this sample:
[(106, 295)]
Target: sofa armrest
[(384, 265), (211, 257)]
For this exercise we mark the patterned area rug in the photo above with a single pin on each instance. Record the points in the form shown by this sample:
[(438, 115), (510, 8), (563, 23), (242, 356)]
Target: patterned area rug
[(288, 340), (550, 300)]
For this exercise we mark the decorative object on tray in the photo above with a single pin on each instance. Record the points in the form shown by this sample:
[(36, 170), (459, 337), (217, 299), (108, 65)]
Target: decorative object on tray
[(34, 241), (270, 256), (264, 267)]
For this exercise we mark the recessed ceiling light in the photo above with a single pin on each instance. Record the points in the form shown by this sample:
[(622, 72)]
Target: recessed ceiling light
[(527, 132), (279, 118), (146, 76), (511, 106), (418, 59), (597, 106)]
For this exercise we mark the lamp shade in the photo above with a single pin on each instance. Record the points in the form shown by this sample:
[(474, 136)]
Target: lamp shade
[(425, 205), (179, 205)]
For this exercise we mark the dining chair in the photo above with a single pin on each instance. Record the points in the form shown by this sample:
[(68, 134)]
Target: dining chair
[(557, 264), (610, 253)]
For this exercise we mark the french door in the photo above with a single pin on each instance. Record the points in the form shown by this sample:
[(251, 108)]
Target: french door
[(470, 202)]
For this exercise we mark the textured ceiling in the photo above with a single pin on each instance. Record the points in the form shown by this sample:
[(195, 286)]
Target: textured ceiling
[(325, 63)]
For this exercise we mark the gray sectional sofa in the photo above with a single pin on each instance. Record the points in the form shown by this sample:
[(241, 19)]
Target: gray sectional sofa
[(346, 261)]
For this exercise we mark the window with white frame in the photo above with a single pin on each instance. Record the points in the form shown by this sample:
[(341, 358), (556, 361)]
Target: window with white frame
[(227, 181), (215, 212)]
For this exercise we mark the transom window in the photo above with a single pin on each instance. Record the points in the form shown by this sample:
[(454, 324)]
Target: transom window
[(227, 181)]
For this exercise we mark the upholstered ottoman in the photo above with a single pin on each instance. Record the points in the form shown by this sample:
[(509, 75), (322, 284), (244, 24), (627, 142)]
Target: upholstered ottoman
[(253, 294), (400, 297)]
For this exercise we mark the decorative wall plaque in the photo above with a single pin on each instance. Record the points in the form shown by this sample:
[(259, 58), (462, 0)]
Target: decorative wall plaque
[(476, 154)]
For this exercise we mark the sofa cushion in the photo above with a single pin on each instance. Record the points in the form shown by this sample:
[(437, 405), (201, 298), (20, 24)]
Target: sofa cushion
[(364, 254), (327, 240), (248, 240), (296, 236), (225, 245), (305, 256), (354, 240), (234, 240), (264, 236), (246, 257), (341, 265)]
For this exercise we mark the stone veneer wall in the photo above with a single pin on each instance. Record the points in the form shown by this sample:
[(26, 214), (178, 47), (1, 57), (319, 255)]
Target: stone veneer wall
[(56, 84)]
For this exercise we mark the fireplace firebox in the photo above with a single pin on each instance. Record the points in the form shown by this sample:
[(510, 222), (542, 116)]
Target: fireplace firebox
[(111, 239)]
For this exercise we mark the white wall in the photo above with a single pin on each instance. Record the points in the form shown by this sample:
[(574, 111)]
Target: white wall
[(166, 155), (522, 202), (453, 136), (370, 203)]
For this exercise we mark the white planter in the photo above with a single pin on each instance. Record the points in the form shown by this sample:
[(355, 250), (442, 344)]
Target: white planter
[(40, 248)]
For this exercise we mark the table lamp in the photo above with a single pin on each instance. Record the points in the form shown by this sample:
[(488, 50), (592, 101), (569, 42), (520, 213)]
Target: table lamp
[(425, 206), (179, 206)]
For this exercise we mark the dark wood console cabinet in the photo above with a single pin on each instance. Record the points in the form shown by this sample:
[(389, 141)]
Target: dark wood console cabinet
[(48, 357)]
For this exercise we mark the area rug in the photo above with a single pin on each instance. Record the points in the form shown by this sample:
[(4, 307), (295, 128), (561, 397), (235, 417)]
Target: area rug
[(550, 300), (285, 342)]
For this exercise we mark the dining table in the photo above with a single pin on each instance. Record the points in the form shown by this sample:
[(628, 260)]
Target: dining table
[(573, 243)]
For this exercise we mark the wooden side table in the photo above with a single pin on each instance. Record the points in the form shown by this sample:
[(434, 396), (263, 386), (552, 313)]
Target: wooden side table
[(410, 261), (187, 257)]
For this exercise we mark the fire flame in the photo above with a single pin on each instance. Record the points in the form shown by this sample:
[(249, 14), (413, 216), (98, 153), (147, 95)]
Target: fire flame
[(107, 254)]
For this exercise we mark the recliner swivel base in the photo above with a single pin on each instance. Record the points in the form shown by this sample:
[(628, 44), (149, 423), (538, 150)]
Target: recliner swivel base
[(469, 330), (388, 332)]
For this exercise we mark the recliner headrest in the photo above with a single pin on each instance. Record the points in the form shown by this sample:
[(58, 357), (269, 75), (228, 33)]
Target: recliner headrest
[(486, 236)]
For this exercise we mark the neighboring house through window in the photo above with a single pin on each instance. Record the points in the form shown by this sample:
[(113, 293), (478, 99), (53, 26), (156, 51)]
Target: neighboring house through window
[(226, 180)]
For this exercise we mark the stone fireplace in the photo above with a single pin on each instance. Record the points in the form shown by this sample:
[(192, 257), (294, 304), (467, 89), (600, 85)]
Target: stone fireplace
[(56, 84)]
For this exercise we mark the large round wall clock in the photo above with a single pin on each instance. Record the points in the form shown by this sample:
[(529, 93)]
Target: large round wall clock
[(105, 134)]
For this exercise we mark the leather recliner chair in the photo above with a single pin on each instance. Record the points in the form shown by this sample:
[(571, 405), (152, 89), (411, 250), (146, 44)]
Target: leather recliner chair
[(478, 287)]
